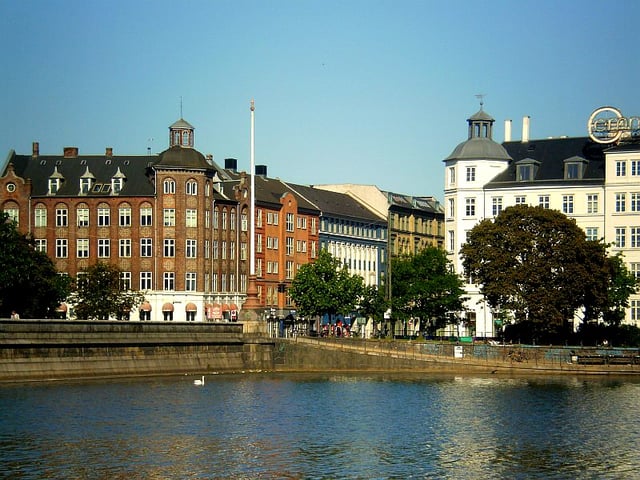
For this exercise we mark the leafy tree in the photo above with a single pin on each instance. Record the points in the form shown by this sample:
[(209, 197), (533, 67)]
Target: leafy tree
[(99, 294), (424, 286), (373, 304), (326, 287), (29, 281), (538, 264)]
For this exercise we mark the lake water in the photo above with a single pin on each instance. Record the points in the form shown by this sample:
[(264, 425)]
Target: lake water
[(322, 426)]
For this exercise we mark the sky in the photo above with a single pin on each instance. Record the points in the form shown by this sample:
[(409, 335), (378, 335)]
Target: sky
[(346, 91)]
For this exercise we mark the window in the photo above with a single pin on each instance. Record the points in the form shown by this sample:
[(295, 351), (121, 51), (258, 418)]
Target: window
[(62, 217), (258, 267), (525, 173), (215, 250), (169, 247), (301, 246), (452, 208), (635, 237), (258, 217), (54, 186), (232, 219), (40, 217), (289, 246), (116, 186), (82, 217), (243, 250), (471, 174), (14, 214), (543, 201), (289, 270), (192, 218), (592, 203), (192, 187), (635, 168), (302, 222), (215, 218), (207, 249), (470, 207), (146, 216), (41, 245), (62, 248), (634, 269), (232, 250), (104, 248), (567, 204), (169, 281), (190, 282), (259, 243), (272, 218), (104, 217), (145, 280), (452, 175), (572, 171), (224, 219), (591, 233), (223, 251), (169, 217), (520, 200), (82, 248), (496, 205), (635, 310), (621, 234), (146, 247), (621, 202), (289, 222), (169, 187), (125, 280), (85, 185), (125, 247), (635, 202), (207, 219), (621, 168), (125, 216), (244, 223), (191, 248)]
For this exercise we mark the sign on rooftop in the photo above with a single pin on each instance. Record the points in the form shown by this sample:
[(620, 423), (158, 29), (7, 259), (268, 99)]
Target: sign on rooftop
[(608, 125)]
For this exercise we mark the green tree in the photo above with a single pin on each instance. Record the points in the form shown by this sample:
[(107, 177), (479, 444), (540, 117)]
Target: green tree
[(538, 264), (373, 304), (99, 294), (326, 287), (424, 286), (29, 281)]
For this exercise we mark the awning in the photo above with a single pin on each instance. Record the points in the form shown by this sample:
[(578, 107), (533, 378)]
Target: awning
[(145, 307), (167, 307), (191, 307), (62, 308), (233, 306), (225, 307)]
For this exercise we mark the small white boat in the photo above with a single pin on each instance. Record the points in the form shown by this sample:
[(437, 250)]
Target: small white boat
[(199, 382)]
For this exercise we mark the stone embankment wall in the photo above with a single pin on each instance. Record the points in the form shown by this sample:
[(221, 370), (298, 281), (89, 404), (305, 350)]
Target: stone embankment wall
[(40, 350)]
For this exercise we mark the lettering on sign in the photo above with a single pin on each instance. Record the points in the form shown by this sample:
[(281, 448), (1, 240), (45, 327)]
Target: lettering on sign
[(608, 125)]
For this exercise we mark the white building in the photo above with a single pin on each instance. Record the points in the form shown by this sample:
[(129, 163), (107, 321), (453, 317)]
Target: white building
[(593, 179)]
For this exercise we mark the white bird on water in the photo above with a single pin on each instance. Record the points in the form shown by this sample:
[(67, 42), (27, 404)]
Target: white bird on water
[(199, 382)]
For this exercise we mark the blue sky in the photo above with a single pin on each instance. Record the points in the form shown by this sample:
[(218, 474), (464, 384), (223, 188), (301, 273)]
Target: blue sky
[(371, 92)]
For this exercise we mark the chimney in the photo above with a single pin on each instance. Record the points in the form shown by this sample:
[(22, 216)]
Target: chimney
[(261, 171), (507, 130), (231, 164), (35, 149), (525, 128), (70, 152), (108, 152)]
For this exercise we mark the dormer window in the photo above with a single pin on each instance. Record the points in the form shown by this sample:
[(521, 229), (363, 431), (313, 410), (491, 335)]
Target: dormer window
[(55, 181), (86, 182), (117, 182), (526, 170), (574, 168)]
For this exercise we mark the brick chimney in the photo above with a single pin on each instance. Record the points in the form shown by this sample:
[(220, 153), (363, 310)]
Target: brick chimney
[(35, 149), (70, 152)]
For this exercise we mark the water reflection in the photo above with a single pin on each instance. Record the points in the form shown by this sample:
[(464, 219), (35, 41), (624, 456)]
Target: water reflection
[(322, 426)]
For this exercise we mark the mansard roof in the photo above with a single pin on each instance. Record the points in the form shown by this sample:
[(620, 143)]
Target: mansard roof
[(409, 202), (551, 155), (70, 169)]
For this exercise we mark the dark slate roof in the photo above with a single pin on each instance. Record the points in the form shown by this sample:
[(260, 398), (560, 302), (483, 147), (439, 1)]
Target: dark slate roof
[(269, 191), (182, 157), (337, 204), (550, 155), (134, 168), (427, 204)]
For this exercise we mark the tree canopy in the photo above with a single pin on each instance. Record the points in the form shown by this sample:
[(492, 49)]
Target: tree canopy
[(99, 294), (325, 287), (29, 281), (538, 264), (424, 286)]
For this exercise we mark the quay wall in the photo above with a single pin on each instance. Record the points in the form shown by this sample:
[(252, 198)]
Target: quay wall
[(44, 350)]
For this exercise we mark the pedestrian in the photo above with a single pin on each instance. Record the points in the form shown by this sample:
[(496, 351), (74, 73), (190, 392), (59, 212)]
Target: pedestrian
[(14, 315)]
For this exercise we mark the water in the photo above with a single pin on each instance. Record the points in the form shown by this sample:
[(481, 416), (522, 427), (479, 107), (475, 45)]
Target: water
[(322, 426)]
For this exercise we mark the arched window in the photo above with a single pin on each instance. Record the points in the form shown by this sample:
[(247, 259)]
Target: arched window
[(192, 187), (169, 186)]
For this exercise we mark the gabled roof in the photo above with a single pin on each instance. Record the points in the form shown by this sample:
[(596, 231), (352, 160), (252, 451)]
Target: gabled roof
[(337, 204), (551, 154)]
